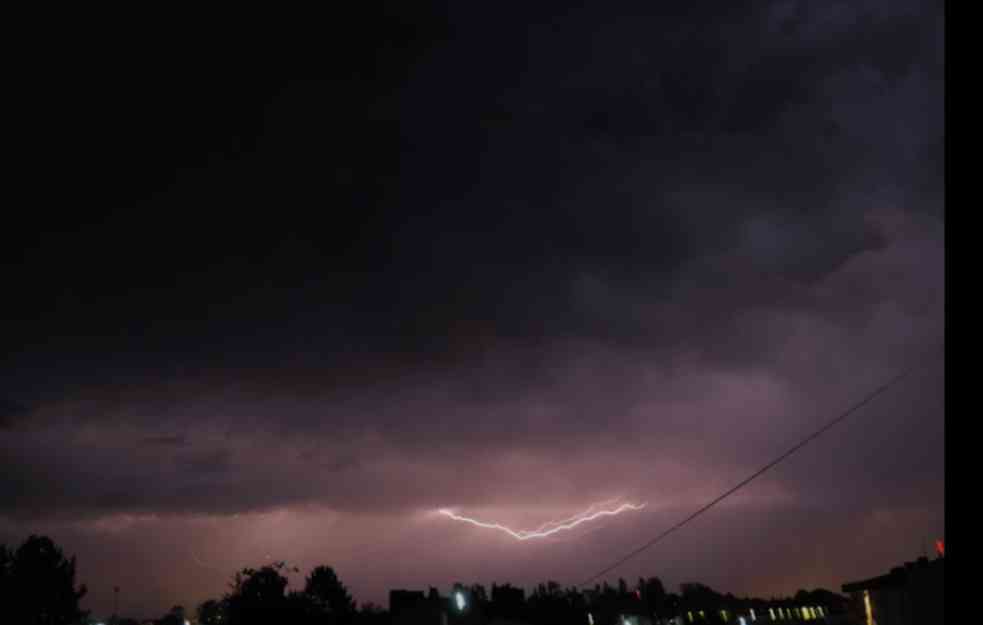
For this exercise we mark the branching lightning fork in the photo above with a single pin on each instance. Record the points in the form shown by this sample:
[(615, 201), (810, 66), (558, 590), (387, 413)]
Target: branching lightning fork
[(594, 512)]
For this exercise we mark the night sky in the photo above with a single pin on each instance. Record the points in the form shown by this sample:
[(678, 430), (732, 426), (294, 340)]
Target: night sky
[(512, 260)]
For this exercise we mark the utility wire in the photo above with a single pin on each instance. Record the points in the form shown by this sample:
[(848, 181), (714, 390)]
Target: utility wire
[(757, 473)]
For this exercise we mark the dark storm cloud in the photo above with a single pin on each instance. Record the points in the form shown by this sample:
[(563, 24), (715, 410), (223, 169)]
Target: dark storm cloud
[(639, 212), (171, 440), (11, 412), (556, 259), (500, 226), (544, 402)]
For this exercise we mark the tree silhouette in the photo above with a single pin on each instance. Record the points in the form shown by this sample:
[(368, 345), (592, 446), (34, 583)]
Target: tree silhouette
[(175, 616), (258, 596), (549, 604), (371, 614), (478, 594), (301, 609), (211, 612), (507, 601), (6, 575), (37, 584), (327, 591), (654, 595), (37, 587)]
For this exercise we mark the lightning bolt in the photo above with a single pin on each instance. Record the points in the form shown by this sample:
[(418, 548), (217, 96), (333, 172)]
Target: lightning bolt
[(596, 511), (586, 512)]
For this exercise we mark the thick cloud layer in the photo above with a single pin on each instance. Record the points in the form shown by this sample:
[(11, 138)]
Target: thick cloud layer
[(569, 257)]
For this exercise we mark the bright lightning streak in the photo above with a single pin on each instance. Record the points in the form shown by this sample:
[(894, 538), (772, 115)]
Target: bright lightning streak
[(589, 515), (586, 512)]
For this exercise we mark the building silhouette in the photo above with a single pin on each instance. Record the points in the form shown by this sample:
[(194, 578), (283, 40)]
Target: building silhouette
[(908, 594), (409, 607)]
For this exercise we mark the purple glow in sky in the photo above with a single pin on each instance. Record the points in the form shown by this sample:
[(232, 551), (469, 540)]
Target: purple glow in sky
[(628, 255)]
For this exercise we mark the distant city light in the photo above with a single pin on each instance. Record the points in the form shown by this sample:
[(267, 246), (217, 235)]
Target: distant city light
[(459, 597), (821, 612), (740, 619), (868, 609), (753, 617), (771, 612), (590, 618)]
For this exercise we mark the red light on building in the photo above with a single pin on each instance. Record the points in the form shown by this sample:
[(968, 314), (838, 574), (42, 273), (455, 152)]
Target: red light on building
[(940, 547)]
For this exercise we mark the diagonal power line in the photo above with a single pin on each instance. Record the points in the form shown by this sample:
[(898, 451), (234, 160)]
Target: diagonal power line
[(839, 418)]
